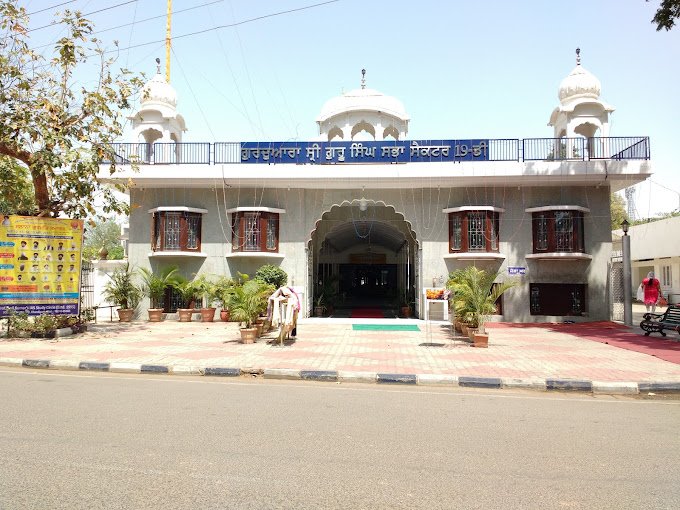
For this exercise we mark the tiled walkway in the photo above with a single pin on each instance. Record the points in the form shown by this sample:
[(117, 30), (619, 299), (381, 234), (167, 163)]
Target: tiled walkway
[(526, 352)]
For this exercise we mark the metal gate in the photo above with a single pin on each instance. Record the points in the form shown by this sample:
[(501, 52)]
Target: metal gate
[(616, 293), (86, 290)]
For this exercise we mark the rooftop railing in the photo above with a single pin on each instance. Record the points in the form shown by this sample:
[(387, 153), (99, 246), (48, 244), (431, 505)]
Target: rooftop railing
[(528, 149)]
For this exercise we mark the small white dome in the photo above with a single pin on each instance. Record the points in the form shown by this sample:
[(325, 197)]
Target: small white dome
[(579, 83), (363, 99), (159, 91)]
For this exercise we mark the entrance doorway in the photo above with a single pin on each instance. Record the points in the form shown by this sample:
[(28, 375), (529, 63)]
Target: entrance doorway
[(363, 261)]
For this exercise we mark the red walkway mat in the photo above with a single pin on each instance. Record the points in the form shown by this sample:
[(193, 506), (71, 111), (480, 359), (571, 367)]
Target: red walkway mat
[(367, 313), (617, 335)]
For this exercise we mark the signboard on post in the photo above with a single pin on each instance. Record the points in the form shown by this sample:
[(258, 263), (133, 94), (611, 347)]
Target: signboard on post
[(40, 265), (517, 271)]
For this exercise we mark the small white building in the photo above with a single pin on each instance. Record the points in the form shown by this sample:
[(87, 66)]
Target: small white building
[(382, 216), (655, 246)]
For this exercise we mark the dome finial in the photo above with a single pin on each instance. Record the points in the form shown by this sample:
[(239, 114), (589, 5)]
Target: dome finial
[(158, 65), (363, 78), (578, 56)]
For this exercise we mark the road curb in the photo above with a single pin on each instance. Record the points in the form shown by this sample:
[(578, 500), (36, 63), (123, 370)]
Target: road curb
[(552, 384)]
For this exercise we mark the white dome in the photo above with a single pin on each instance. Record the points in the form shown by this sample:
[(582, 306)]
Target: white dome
[(363, 99), (158, 91), (579, 83)]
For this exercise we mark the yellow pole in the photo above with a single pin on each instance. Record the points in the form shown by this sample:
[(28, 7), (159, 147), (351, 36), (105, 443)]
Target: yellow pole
[(167, 42)]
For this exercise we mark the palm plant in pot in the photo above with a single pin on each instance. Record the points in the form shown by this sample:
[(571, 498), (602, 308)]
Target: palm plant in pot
[(475, 297), (206, 293), (221, 291), (122, 291), (246, 302), (154, 286), (189, 292)]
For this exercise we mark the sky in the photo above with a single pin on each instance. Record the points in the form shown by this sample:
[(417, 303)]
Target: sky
[(261, 70)]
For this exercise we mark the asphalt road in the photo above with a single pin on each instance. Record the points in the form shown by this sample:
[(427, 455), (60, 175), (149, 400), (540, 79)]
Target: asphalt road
[(70, 440)]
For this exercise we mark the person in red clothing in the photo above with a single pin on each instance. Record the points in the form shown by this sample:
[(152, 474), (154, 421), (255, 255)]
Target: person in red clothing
[(652, 291)]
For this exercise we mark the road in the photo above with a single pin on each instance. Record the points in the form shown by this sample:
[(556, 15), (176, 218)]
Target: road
[(72, 440)]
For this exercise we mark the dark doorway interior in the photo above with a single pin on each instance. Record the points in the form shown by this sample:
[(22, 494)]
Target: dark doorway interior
[(368, 284)]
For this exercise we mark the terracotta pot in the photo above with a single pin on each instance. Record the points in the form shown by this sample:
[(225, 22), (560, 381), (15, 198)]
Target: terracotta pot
[(155, 314), (481, 340), (472, 332), (207, 314), (318, 311), (259, 327), (406, 311), (185, 314), (248, 335), (464, 328), (125, 314), (225, 315)]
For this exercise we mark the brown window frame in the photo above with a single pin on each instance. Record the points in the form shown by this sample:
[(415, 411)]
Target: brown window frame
[(263, 219), (491, 220), (578, 238), (159, 231)]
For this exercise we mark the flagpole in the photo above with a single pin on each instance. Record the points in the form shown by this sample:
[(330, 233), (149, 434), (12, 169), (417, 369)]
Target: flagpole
[(167, 41)]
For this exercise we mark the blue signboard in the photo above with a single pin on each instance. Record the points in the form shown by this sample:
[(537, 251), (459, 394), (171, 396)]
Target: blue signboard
[(395, 151), (517, 270)]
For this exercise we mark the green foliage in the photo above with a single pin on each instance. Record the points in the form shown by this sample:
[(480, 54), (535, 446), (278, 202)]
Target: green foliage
[(666, 14), (154, 284), (121, 288), (223, 288), (272, 275), (53, 121), (105, 234), (618, 210), (189, 290), (205, 289), (474, 294), (248, 300), (16, 190)]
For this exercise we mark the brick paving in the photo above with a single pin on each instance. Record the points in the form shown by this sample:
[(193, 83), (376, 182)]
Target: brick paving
[(527, 352)]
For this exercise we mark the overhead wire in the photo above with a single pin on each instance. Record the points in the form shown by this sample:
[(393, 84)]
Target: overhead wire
[(86, 14)]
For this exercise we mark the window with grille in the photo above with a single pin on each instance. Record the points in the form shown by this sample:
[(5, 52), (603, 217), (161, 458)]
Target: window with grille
[(473, 231), (558, 231), (557, 299), (255, 231), (176, 231)]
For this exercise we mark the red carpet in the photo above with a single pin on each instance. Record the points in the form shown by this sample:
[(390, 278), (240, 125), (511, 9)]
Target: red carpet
[(667, 349), (367, 313)]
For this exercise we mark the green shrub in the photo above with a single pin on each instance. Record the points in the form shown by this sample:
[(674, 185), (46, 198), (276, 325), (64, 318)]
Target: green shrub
[(272, 275)]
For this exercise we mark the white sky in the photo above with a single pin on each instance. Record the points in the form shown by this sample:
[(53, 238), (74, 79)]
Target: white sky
[(485, 69)]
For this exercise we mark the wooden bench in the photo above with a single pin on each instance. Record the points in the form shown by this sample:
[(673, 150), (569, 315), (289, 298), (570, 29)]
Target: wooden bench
[(657, 322)]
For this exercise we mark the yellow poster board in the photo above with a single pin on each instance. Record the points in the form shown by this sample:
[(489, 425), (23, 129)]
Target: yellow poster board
[(40, 262)]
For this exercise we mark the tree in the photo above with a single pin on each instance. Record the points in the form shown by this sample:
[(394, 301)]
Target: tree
[(16, 190), (618, 210), (105, 234), (666, 14), (57, 129)]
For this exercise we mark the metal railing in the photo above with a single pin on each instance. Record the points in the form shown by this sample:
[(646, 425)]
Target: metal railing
[(502, 149)]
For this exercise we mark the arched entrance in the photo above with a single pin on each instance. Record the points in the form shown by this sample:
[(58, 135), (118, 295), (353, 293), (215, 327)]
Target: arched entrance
[(363, 261)]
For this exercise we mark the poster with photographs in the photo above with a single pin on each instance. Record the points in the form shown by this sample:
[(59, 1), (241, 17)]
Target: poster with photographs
[(40, 265)]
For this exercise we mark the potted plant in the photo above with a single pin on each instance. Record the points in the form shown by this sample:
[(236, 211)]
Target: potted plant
[(246, 301), (475, 297), (154, 286), (319, 306), (189, 291), (206, 293), (123, 292), (222, 289)]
